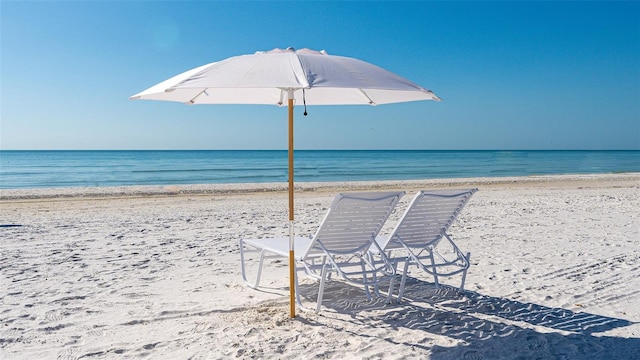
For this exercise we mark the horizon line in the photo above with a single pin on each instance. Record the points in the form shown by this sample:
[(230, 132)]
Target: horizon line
[(567, 149)]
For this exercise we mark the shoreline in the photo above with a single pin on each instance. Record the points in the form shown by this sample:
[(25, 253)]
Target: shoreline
[(586, 180)]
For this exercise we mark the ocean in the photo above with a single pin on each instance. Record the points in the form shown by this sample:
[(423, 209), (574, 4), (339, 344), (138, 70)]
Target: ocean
[(46, 169)]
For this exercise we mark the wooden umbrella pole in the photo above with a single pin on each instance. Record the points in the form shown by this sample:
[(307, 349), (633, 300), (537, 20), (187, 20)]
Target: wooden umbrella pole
[(291, 214)]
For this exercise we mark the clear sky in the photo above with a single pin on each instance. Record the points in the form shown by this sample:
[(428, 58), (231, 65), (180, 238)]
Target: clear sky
[(512, 75)]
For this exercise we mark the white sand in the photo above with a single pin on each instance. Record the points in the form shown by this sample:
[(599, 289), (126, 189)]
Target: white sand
[(153, 272)]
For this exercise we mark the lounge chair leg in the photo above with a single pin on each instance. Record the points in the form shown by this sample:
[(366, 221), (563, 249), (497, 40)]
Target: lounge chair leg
[(376, 288), (297, 290), (321, 289), (244, 274), (464, 274), (403, 281), (364, 281), (433, 265), (391, 285), (392, 282)]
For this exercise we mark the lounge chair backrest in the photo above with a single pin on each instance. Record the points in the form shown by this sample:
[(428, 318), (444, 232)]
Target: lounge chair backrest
[(353, 222), (428, 217)]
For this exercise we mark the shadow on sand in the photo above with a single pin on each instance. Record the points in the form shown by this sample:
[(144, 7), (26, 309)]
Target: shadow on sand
[(482, 326)]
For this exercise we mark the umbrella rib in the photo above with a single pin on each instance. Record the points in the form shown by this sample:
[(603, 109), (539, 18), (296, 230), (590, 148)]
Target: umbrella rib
[(371, 102), (193, 100)]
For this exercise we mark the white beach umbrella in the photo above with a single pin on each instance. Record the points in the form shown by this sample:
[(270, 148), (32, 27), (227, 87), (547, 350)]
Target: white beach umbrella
[(287, 75)]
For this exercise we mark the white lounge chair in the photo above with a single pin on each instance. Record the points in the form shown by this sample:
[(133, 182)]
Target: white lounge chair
[(416, 239), (340, 244)]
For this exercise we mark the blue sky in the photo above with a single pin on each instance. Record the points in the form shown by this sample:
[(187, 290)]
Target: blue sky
[(512, 75)]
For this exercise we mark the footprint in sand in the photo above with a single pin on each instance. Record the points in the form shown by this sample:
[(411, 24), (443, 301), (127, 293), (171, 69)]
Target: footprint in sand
[(68, 354), (201, 327), (95, 331), (536, 342), (472, 355), (13, 332), (54, 315), (135, 295)]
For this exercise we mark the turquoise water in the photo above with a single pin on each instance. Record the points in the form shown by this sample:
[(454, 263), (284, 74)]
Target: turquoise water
[(40, 169)]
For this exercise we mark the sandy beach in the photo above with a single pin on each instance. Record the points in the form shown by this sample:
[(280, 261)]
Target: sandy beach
[(153, 272)]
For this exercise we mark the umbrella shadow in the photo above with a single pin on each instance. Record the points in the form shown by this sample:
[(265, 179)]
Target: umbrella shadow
[(482, 326)]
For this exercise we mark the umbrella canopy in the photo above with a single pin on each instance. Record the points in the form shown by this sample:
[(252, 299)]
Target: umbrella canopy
[(288, 76), (266, 77)]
